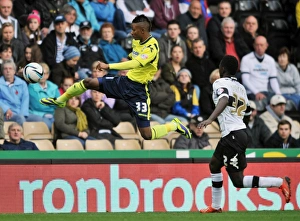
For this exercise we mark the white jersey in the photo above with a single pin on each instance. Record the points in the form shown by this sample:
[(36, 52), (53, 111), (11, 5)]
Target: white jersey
[(231, 118)]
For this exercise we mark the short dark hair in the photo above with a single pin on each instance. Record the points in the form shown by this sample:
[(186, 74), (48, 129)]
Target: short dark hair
[(142, 18), (5, 47), (173, 22), (230, 64), (284, 122), (285, 50)]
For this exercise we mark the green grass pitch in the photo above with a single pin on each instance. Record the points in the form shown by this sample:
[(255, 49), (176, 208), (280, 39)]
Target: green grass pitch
[(166, 216)]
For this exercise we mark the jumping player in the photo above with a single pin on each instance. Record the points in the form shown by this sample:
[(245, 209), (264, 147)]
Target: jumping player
[(231, 102), (132, 88)]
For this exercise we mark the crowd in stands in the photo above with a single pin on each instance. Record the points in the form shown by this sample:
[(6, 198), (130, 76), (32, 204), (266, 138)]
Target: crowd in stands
[(67, 37)]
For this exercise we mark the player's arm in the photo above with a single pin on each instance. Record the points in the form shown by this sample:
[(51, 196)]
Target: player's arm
[(126, 65), (221, 105)]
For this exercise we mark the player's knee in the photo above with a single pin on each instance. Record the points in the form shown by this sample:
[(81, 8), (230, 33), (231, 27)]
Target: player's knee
[(87, 82), (146, 136), (214, 168), (238, 183)]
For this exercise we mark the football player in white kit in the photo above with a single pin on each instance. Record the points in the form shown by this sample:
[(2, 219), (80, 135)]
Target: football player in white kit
[(232, 106)]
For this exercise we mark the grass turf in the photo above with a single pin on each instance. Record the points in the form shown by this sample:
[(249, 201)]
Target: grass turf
[(170, 216)]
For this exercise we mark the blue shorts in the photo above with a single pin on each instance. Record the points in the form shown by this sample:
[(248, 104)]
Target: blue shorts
[(135, 94)]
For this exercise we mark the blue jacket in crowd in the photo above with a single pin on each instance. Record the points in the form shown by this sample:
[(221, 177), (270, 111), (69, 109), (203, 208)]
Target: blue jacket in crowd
[(36, 93), (23, 145), (14, 97)]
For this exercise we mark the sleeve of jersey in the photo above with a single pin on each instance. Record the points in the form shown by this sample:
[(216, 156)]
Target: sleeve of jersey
[(126, 65), (220, 90), (147, 55)]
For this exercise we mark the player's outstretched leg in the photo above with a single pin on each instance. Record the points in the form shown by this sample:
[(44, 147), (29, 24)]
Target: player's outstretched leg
[(210, 209), (76, 89), (182, 129), (286, 188)]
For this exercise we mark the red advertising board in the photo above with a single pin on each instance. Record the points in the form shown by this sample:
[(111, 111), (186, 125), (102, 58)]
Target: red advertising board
[(135, 187)]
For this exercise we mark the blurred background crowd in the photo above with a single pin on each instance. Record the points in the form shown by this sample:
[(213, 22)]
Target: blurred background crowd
[(68, 37)]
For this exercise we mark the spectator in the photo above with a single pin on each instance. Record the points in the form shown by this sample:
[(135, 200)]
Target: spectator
[(71, 122), (101, 118), (184, 6), (249, 31), (53, 45), (186, 100), (70, 14), (214, 24), (8, 38), (257, 130), (67, 67), (6, 7), (258, 70), (53, 9), (162, 101), (288, 77), (32, 53), (165, 11), (207, 93), (169, 70), (227, 42), (31, 32), (15, 141), (45, 88), (192, 33), (169, 40), (282, 137), (132, 8), (199, 140), (200, 64), (22, 8), (2, 133), (14, 97), (89, 50), (106, 11), (5, 53), (85, 12), (66, 83), (276, 112), (193, 17), (113, 52)]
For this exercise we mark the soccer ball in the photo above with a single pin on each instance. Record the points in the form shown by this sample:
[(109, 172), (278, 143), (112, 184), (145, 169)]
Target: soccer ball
[(33, 72)]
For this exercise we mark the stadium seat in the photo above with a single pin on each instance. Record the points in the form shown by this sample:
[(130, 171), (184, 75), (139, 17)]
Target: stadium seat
[(158, 144), (36, 131), (66, 144), (270, 6), (124, 127), (98, 145), (247, 5), (213, 142), (172, 143), (171, 135), (213, 130), (127, 144), (127, 131), (43, 144)]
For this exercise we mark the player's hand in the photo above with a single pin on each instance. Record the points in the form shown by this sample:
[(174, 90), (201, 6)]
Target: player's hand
[(204, 123), (259, 96), (102, 66)]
